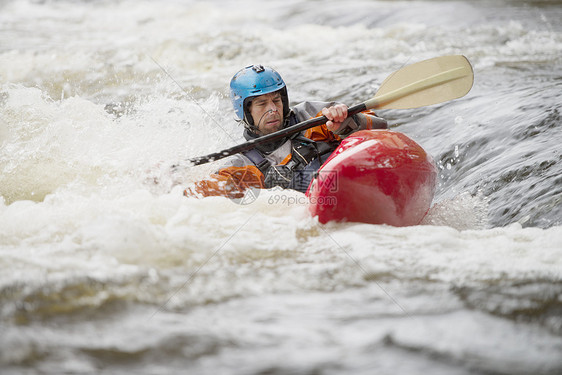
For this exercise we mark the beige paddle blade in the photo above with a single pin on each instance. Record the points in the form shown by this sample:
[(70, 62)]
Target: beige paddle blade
[(425, 83)]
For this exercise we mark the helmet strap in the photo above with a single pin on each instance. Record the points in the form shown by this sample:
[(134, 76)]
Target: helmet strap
[(249, 123), (250, 127)]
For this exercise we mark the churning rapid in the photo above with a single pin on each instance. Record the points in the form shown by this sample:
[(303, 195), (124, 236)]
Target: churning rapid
[(106, 268)]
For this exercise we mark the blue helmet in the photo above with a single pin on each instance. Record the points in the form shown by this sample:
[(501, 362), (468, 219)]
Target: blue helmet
[(252, 81)]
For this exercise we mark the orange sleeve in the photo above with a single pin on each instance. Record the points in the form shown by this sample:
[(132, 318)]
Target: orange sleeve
[(229, 182), (321, 133)]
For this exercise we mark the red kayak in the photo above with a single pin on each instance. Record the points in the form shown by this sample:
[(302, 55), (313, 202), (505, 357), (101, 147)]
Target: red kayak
[(375, 177)]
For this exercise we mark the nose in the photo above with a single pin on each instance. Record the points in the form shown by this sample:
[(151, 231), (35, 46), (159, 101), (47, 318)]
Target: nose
[(271, 107)]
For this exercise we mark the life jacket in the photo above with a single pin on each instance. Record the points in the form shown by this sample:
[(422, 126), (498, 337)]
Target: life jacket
[(307, 156)]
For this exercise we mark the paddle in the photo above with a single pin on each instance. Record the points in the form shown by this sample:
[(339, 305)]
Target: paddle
[(424, 83)]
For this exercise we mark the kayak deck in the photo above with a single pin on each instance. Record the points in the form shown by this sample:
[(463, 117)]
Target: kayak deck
[(375, 177)]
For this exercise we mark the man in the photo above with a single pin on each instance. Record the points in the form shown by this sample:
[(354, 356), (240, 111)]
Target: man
[(260, 100)]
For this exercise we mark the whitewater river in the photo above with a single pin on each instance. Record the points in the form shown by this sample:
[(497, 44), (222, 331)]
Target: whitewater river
[(106, 268)]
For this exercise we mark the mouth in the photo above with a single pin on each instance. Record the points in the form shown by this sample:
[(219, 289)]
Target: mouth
[(273, 121)]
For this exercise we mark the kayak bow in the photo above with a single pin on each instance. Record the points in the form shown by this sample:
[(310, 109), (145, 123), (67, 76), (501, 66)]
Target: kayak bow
[(375, 177)]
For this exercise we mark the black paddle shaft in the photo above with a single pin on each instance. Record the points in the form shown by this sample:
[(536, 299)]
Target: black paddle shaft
[(272, 137)]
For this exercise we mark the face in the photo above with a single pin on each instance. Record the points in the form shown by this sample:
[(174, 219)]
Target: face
[(267, 112)]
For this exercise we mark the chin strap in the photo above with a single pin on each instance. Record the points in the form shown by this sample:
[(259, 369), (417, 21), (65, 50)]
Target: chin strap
[(248, 127)]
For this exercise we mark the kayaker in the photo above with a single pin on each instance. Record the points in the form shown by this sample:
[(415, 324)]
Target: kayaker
[(260, 100)]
